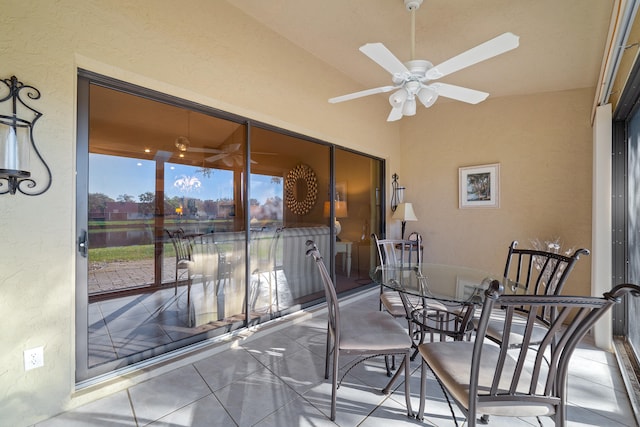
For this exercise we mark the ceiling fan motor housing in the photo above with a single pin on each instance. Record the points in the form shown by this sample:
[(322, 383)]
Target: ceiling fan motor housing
[(418, 66)]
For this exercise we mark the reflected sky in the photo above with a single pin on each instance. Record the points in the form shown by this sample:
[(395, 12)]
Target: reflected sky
[(115, 176)]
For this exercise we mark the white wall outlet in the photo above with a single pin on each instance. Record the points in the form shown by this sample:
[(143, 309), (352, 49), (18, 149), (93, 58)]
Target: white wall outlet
[(33, 358)]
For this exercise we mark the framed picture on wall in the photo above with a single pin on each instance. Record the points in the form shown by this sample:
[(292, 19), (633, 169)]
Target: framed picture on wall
[(480, 186)]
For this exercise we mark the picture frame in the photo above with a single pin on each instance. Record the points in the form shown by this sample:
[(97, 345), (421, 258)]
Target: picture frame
[(479, 186)]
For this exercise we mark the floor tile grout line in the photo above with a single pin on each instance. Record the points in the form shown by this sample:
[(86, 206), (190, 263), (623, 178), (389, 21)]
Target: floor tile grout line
[(133, 409), (214, 394)]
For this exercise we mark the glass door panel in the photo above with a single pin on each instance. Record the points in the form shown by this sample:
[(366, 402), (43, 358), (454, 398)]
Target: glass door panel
[(289, 184), (358, 180), (633, 234), (190, 236), (161, 178)]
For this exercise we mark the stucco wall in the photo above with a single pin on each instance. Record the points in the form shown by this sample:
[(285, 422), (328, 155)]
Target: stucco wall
[(204, 51), (207, 52), (543, 145)]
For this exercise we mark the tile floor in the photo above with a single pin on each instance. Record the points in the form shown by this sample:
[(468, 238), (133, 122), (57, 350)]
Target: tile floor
[(275, 378)]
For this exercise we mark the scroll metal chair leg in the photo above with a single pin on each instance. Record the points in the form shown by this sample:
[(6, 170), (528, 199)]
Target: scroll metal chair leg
[(407, 377), (387, 365), (326, 357), (334, 381), (423, 388)]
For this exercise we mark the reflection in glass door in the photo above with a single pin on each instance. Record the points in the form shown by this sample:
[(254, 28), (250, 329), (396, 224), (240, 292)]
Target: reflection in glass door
[(120, 220), (190, 236), (160, 178)]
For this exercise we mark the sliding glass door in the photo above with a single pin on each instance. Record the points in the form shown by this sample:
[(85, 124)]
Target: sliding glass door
[(193, 223)]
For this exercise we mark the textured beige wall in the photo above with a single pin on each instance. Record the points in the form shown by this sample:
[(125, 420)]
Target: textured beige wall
[(207, 52), (204, 51), (543, 145)]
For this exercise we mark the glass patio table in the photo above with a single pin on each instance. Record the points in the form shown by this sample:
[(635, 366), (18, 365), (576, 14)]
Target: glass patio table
[(439, 299), (448, 284)]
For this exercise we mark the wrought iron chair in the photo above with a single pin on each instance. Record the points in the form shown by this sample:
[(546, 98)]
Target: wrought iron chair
[(523, 380), (183, 248), (263, 248), (416, 242), (538, 273), (371, 334), (396, 252)]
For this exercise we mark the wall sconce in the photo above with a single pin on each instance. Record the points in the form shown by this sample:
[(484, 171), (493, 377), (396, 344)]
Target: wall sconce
[(17, 120), (397, 193)]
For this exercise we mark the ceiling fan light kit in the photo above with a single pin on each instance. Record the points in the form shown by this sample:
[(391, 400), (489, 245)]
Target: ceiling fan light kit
[(411, 79)]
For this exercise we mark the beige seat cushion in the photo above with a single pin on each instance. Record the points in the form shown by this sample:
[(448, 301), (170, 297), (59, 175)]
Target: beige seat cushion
[(451, 362), (375, 331)]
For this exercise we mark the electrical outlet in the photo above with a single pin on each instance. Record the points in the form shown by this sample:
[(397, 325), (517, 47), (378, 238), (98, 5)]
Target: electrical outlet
[(33, 358)]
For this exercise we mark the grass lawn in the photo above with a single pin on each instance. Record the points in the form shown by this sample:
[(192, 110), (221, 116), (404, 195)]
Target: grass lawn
[(126, 253)]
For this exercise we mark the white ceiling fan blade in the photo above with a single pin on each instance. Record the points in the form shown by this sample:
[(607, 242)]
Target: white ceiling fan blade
[(459, 93), (362, 93), (203, 150), (230, 148), (496, 46), (384, 58), (215, 157), (395, 114)]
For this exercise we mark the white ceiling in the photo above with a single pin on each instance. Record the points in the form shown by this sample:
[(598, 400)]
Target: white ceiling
[(561, 41)]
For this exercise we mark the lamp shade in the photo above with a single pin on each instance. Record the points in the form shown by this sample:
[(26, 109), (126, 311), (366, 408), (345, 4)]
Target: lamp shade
[(404, 212), (339, 206)]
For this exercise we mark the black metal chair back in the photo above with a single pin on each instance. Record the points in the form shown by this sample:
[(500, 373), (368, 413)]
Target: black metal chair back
[(529, 380), (540, 272)]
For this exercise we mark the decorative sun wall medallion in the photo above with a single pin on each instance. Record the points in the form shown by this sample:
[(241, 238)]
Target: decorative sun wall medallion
[(301, 189)]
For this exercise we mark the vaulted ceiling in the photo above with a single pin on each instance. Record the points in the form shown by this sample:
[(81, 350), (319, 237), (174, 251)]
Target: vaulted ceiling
[(562, 43)]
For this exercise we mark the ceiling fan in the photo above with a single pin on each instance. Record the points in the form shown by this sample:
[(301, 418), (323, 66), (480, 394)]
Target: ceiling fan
[(412, 78), (230, 154)]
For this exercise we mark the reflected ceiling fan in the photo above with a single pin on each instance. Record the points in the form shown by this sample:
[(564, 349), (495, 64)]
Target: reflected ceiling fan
[(229, 154), (411, 79)]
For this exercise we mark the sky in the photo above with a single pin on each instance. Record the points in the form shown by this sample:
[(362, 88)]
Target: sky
[(114, 176)]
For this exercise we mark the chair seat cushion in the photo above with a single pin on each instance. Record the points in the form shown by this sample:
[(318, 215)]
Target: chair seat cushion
[(371, 331), (392, 302), (451, 362)]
